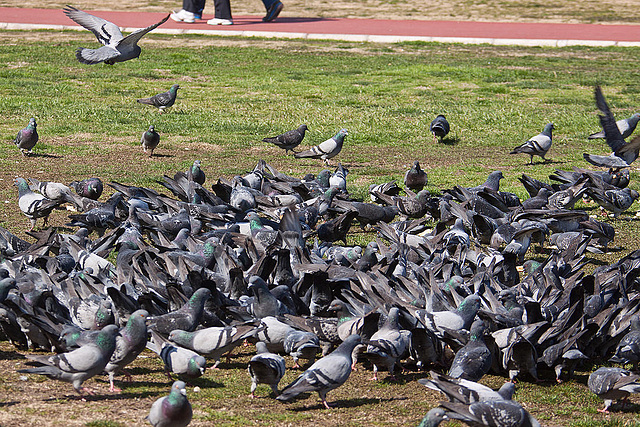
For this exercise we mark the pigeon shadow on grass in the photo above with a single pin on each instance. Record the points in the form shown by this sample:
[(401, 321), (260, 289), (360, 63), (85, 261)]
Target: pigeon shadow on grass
[(45, 155), (341, 403), (162, 155), (450, 140)]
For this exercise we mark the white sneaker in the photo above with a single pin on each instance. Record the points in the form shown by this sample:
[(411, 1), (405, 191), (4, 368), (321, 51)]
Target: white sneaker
[(220, 21), (183, 16)]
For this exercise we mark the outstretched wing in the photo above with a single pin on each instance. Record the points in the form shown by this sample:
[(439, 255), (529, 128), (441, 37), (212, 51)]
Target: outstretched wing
[(106, 32), (132, 39)]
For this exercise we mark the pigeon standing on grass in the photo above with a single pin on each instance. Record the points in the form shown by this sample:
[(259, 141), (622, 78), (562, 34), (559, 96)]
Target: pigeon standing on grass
[(79, 365), (150, 140), (538, 145), (116, 47), (439, 127), (628, 350), (415, 179), (129, 344), (173, 410), (33, 205), (265, 368), (177, 360), (474, 359), (162, 100), (611, 384), (327, 149), (288, 140), (27, 137), (326, 374)]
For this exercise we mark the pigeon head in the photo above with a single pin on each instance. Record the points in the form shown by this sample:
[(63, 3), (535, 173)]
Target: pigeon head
[(32, 123), (341, 134), (433, 418), (196, 367), (23, 186), (548, 128), (507, 390), (174, 88), (323, 177), (199, 297), (179, 387), (477, 331), (106, 339)]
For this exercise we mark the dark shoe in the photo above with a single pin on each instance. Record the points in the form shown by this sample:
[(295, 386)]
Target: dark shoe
[(273, 12)]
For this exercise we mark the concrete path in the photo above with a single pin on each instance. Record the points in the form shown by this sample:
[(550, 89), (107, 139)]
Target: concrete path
[(372, 30)]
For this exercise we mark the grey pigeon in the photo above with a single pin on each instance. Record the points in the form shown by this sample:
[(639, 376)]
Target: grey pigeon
[(288, 140), (176, 359), (496, 413), (90, 188), (465, 391), (537, 145), (415, 178), (162, 100), (623, 153), (33, 205), (439, 127), (474, 359), (150, 140), (625, 126), (628, 350), (327, 149), (186, 318), (173, 410), (433, 418), (301, 344), (81, 364), (324, 375), (116, 47), (462, 318), (52, 190), (214, 341), (131, 341), (265, 368), (614, 200), (388, 345), (27, 137), (611, 384)]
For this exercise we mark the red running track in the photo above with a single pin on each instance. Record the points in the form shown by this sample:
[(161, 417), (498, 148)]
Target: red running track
[(352, 29)]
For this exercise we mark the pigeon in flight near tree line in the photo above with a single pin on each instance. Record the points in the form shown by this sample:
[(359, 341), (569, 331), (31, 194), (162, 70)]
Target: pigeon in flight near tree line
[(162, 100), (116, 47)]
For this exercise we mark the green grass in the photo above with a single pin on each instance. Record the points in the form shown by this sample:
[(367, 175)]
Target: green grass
[(234, 92)]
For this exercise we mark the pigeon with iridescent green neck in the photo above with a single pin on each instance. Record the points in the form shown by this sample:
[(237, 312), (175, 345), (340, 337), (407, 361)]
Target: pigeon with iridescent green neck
[(79, 365), (537, 145), (173, 410), (327, 149), (186, 318), (27, 137), (462, 318), (33, 205), (162, 100), (150, 140), (177, 360), (474, 359), (131, 341), (90, 188), (433, 418)]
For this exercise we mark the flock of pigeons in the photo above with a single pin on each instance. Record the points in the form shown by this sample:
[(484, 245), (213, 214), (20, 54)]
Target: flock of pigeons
[(257, 258)]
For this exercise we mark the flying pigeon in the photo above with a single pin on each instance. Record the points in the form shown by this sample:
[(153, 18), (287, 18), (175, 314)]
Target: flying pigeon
[(324, 375), (27, 137), (623, 153), (611, 384), (439, 127), (538, 145), (265, 368), (173, 410), (150, 140), (116, 47), (625, 126), (33, 205), (415, 178), (162, 100), (327, 149), (81, 364), (288, 140)]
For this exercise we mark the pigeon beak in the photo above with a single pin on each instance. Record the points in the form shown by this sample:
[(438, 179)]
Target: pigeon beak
[(183, 391)]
